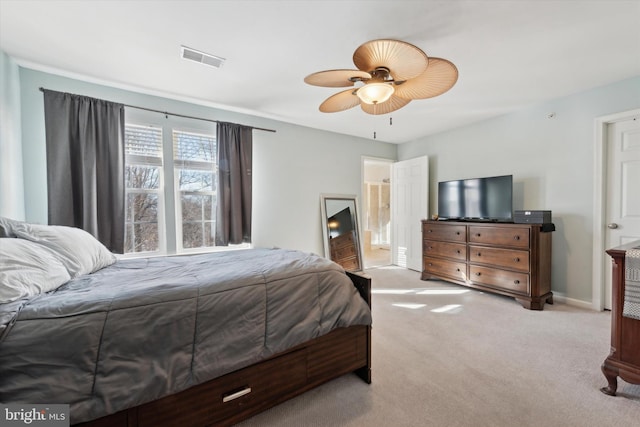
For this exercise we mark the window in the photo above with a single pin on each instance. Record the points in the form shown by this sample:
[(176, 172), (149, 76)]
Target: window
[(143, 182), (196, 177), (171, 180)]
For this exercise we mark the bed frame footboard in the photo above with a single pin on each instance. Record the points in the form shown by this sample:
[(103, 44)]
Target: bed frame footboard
[(363, 284)]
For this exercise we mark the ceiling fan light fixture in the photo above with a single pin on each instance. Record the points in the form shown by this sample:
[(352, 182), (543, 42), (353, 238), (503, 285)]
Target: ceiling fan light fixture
[(393, 73), (375, 93)]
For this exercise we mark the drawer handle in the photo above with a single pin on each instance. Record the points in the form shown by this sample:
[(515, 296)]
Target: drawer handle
[(457, 233), (457, 269), (479, 254), (430, 265), (477, 234), (517, 282), (478, 274), (430, 231), (237, 394), (458, 251), (516, 259), (516, 237)]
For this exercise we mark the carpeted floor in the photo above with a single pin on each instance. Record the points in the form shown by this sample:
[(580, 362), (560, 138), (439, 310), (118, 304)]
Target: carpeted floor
[(445, 355)]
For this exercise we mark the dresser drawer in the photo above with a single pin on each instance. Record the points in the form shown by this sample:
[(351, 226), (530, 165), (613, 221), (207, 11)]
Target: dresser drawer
[(341, 241), (452, 233), (344, 252), (501, 279), (501, 236), (439, 249), (508, 258), (441, 267), (247, 388), (264, 382), (349, 264)]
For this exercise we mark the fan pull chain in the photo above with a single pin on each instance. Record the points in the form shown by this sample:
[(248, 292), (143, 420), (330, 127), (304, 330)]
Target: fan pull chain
[(374, 135)]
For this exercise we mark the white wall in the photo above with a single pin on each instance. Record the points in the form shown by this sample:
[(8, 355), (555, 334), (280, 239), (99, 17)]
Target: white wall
[(291, 167), (552, 162), (11, 184)]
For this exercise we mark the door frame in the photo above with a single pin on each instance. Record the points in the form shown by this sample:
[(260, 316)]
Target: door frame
[(600, 196), (364, 159)]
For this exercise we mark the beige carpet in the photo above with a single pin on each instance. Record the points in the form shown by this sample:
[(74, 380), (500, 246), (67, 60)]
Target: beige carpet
[(445, 355)]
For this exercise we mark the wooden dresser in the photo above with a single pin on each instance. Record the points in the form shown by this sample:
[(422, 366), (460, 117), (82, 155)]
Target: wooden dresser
[(345, 252), (504, 258), (624, 358)]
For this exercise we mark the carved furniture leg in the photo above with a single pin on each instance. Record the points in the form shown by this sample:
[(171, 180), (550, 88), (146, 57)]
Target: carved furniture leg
[(611, 373)]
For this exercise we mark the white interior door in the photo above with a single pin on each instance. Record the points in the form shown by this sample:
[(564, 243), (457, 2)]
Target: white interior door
[(622, 214), (409, 205)]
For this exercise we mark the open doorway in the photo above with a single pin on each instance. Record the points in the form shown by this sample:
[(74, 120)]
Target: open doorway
[(376, 212)]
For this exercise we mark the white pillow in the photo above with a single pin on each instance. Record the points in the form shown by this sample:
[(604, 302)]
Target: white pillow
[(7, 225), (77, 250), (28, 269)]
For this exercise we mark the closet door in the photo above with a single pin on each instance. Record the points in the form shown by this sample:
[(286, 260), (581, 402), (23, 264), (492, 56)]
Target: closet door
[(623, 198)]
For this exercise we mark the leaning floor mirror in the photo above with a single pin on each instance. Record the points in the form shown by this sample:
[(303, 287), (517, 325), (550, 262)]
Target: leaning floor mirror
[(341, 230)]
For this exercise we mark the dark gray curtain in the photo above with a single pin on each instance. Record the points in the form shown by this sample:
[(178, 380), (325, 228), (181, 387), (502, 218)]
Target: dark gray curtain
[(85, 165), (233, 219)]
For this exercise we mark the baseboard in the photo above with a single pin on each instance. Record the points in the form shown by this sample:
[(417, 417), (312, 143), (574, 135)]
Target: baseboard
[(560, 298)]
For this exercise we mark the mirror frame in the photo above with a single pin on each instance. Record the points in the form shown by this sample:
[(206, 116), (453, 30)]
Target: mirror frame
[(325, 226)]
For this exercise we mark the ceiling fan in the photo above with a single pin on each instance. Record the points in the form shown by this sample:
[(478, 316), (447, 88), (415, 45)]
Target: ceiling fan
[(393, 73)]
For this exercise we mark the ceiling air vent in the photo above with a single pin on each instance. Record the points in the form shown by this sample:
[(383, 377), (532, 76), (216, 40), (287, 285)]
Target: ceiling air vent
[(201, 57)]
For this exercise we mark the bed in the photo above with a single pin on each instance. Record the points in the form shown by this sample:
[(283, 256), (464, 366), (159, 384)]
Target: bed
[(206, 339)]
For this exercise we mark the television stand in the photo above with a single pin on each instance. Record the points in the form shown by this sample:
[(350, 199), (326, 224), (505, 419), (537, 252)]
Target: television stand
[(490, 220), (503, 258)]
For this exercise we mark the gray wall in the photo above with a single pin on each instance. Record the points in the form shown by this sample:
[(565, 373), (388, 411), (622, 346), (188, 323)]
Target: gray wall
[(11, 186), (291, 167), (552, 163)]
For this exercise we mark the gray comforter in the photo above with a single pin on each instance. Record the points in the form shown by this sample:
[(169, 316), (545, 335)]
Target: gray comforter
[(142, 329)]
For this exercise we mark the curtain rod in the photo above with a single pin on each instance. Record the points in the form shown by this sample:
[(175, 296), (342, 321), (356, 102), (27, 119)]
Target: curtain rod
[(166, 113)]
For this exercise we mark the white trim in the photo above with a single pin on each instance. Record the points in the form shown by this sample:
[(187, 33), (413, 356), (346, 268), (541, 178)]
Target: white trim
[(599, 198), (364, 159), (562, 299)]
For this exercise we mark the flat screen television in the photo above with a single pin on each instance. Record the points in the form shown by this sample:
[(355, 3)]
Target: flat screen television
[(477, 199)]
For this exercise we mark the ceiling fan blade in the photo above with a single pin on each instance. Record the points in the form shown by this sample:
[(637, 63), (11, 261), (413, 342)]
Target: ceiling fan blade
[(336, 78), (392, 104), (439, 77), (340, 101), (403, 60)]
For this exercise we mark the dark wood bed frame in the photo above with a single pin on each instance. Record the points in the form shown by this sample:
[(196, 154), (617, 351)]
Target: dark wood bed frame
[(239, 395), (624, 358)]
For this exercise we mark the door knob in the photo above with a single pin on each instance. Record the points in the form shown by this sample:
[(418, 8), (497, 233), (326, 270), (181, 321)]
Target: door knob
[(613, 225)]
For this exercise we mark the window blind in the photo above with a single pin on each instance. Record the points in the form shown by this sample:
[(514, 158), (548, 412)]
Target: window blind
[(143, 141), (193, 150)]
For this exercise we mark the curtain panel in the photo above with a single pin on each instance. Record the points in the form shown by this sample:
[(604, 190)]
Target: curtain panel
[(85, 165), (233, 218)]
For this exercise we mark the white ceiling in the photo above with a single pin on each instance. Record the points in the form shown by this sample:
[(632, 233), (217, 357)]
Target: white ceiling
[(509, 53)]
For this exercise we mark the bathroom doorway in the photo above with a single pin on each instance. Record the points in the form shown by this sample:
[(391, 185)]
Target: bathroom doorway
[(376, 209)]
